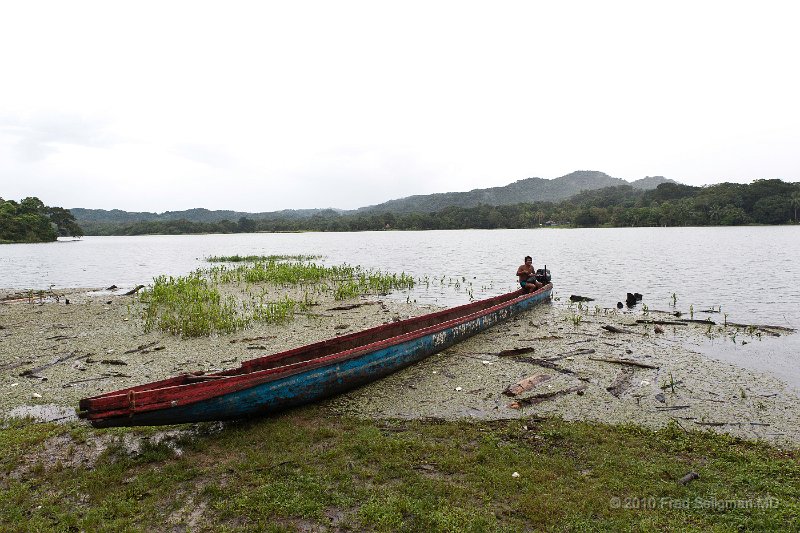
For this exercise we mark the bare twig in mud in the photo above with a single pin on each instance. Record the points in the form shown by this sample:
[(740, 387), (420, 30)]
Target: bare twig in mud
[(673, 313), (539, 398), (61, 337), (549, 364), (104, 376), (672, 407), (32, 372), (12, 366), (578, 342), (662, 322), (623, 362), (547, 338), (621, 383), (142, 347), (526, 384), (252, 339), (581, 351), (717, 424), (352, 306), (696, 321)]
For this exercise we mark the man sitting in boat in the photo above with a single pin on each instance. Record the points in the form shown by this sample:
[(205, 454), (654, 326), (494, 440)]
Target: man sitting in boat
[(527, 276)]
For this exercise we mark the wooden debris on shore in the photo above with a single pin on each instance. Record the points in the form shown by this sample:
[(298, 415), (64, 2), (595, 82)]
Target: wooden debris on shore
[(133, 290), (516, 351), (352, 306), (146, 348), (33, 372), (576, 298), (548, 363), (696, 321), (526, 384), (252, 339), (614, 329), (580, 351), (539, 398), (623, 361), (662, 322)]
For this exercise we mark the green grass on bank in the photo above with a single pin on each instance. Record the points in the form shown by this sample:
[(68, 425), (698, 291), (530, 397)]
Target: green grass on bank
[(223, 300), (305, 469)]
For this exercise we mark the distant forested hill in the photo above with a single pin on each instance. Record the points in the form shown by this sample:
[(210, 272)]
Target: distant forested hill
[(192, 215), (528, 190)]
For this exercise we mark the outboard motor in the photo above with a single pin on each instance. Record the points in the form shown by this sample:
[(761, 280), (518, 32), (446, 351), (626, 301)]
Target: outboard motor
[(543, 275)]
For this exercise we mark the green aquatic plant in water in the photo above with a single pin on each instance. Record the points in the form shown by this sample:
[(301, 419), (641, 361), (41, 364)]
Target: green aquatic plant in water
[(193, 306)]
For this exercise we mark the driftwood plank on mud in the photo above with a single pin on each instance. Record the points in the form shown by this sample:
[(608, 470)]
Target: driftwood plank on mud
[(516, 351), (539, 398), (526, 384), (630, 362)]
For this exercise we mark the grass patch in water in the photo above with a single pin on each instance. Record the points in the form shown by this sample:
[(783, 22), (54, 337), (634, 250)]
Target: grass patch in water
[(253, 258), (195, 306), (307, 469)]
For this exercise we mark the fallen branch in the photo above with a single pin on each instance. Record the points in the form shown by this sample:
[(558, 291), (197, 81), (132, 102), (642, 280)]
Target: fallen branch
[(672, 407), (32, 372), (539, 398), (548, 364), (351, 306), (623, 362), (695, 321), (662, 322)]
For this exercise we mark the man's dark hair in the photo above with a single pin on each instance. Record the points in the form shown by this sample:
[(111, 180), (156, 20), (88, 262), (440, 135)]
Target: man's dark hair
[(528, 257)]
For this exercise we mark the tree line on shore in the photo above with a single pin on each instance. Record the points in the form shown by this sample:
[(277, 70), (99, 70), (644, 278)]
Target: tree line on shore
[(31, 221), (670, 204)]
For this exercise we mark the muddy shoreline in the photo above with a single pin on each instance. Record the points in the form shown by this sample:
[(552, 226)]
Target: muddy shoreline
[(53, 353)]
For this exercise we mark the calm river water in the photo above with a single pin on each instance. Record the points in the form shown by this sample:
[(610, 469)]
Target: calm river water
[(752, 272)]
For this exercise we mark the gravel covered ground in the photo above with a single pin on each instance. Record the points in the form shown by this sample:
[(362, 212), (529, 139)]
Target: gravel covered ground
[(53, 353)]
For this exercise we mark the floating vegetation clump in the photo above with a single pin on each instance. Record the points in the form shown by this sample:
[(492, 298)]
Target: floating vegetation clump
[(194, 306), (253, 258)]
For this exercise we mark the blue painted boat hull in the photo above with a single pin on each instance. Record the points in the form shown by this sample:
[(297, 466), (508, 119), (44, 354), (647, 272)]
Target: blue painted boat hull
[(306, 385)]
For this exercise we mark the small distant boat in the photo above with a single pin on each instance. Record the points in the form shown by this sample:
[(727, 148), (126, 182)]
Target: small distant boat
[(305, 374)]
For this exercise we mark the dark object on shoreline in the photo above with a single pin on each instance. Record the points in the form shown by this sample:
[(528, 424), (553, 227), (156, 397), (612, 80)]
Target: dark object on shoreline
[(614, 329), (576, 298), (691, 476), (302, 375), (134, 290), (112, 288), (619, 305), (632, 298)]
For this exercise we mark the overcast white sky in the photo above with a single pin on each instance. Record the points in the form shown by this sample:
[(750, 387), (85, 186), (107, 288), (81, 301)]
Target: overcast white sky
[(260, 106)]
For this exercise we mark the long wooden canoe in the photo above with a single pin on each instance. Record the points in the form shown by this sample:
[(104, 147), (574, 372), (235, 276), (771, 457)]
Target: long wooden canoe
[(305, 374)]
